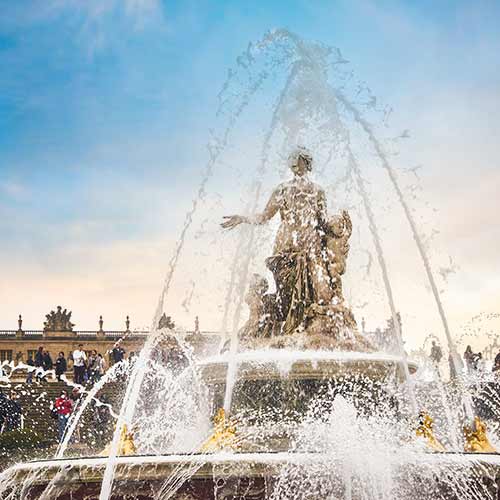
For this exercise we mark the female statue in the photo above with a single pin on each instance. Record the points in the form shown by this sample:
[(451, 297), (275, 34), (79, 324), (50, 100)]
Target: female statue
[(305, 266)]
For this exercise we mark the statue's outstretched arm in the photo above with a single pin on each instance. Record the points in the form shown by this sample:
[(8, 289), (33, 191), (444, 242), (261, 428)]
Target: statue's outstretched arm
[(231, 221)]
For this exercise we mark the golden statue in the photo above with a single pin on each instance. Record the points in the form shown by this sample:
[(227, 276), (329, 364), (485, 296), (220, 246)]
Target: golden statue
[(308, 260), (126, 445), (476, 440), (223, 436), (425, 430)]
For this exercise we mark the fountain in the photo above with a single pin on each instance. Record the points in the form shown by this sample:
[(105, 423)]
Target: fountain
[(302, 404)]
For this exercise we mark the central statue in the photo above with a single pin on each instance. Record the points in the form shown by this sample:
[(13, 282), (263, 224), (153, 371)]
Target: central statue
[(308, 261)]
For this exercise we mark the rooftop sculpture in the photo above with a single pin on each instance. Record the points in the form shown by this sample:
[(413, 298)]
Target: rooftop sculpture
[(58, 321)]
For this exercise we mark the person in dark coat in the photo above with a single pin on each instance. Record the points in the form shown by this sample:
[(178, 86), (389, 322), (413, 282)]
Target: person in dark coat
[(117, 353), (47, 363), (496, 364), (436, 352), (39, 357), (39, 364), (61, 365), (13, 418), (93, 367), (29, 375), (4, 408), (469, 359)]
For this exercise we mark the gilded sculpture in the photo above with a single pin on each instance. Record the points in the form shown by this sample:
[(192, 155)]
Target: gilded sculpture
[(308, 261), (476, 438), (425, 431)]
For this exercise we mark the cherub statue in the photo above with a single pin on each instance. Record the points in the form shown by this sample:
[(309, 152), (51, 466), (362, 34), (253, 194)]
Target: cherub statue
[(339, 230), (262, 317)]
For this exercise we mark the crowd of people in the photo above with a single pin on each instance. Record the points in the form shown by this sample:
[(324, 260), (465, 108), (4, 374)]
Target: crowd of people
[(67, 403), (88, 367), (473, 362)]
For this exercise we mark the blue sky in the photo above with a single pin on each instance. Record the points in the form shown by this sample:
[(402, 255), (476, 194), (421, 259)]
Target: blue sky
[(105, 107)]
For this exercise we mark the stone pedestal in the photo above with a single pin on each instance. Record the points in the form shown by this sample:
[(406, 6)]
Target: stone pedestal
[(58, 334)]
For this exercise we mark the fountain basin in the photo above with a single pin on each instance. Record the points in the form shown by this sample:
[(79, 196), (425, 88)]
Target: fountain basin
[(223, 476), (278, 363)]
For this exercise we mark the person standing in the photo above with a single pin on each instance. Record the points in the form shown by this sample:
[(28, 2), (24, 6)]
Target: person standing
[(30, 370), (436, 353), (79, 363), (63, 407), (13, 419), (93, 369), (117, 353), (39, 357), (39, 364), (479, 363), (47, 363), (4, 409), (469, 359), (61, 365), (101, 366), (496, 363)]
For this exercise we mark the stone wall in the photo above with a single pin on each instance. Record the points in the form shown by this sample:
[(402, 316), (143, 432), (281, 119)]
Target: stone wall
[(20, 346)]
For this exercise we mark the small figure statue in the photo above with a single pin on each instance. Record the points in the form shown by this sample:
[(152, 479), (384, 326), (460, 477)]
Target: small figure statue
[(262, 318), (309, 258), (166, 322), (425, 430), (126, 445), (339, 230), (476, 438), (223, 437)]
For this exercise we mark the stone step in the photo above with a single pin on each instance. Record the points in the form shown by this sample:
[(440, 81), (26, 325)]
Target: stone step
[(36, 399)]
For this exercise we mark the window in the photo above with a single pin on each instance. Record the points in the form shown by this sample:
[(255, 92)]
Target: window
[(32, 354), (5, 355)]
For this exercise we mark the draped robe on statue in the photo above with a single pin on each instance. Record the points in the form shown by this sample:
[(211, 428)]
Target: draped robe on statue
[(300, 261)]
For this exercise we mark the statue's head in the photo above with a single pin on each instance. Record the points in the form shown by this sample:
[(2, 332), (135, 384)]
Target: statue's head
[(300, 161), (336, 226)]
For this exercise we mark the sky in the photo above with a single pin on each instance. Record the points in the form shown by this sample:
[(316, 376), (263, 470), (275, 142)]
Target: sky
[(106, 107)]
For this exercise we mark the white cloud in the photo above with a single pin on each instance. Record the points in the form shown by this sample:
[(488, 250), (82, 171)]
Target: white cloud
[(14, 189), (98, 8), (96, 23)]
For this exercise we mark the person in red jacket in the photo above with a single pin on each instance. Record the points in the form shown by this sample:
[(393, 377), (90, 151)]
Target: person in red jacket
[(63, 407)]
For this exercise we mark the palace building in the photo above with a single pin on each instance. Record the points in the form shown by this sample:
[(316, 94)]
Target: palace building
[(59, 334)]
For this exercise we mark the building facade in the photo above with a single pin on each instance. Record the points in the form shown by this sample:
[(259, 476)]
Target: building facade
[(59, 335)]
